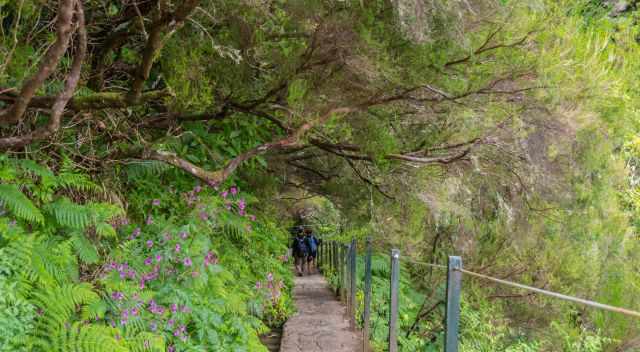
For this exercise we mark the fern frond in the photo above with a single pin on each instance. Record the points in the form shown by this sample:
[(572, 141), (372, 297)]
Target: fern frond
[(36, 169), (85, 250), (145, 342), (89, 338), (58, 305), (16, 258), (54, 262), (105, 230), (70, 214), (13, 199), (80, 182), (147, 168)]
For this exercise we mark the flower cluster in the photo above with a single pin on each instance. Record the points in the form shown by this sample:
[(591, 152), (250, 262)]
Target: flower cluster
[(119, 222), (231, 198), (192, 196), (273, 290)]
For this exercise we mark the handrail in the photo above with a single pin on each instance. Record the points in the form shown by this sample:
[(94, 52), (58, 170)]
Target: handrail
[(585, 302), (340, 258)]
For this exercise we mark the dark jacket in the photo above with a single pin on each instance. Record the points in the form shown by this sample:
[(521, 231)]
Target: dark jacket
[(299, 247)]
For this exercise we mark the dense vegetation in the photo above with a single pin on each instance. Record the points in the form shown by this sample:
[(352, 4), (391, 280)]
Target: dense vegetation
[(154, 153)]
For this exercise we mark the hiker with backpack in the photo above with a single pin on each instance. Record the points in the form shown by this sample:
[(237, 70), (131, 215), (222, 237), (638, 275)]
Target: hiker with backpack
[(300, 252), (312, 243)]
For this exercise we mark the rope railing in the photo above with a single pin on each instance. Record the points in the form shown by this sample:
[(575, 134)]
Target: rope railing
[(561, 296), (340, 259)]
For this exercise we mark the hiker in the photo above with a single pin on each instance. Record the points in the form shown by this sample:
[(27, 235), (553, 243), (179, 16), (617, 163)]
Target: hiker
[(312, 243), (300, 252)]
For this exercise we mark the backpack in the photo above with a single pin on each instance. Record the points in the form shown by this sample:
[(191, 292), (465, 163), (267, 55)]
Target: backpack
[(299, 246), (313, 244)]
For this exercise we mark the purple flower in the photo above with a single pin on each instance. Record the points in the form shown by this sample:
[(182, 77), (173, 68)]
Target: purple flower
[(241, 204), (185, 309), (135, 232), (171, 349), (224, 194), (158, 258), (210, 258), (149, 243), (118, 296), (258, 285), (203, 215), (148, 261), (252, 217), (174, 307), (149, 220), (187, 261), (171, 322), (233, 190), (153, 326), (178, 247), (184, 234), (155, 202), (241, 212), (270, 277), (197, 189), (195, 274)]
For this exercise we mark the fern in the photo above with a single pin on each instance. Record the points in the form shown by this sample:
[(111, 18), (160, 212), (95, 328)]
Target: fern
[(142, 169), (36, 169), (85, 250), (70, 214), (76, 181), (54, 330), (70, 179), (89, 338), (13, 199), (105, 230)]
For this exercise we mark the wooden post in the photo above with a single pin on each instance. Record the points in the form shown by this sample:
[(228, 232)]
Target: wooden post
[(393, 303), (452, 312), (367, 297)]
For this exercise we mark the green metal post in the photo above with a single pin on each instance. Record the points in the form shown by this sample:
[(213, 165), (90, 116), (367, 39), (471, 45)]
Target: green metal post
[(367, 296), (354, 280), (452, 312), (393, 311)]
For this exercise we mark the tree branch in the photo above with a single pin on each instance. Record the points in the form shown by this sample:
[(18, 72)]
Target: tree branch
[(155, 42), (64, 97), (47, 65), (96, 101)]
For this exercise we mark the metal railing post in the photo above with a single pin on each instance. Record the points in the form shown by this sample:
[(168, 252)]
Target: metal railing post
[(347, 283), (452, 312), (393, 303), (336, 265), (319, 259), (345, 248), (354, 280), (367, 297)]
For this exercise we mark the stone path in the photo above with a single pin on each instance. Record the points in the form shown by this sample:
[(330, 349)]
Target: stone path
[(320, 325)]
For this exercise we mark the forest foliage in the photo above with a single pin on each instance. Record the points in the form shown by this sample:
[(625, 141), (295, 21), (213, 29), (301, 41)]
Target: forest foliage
[(154, 153)]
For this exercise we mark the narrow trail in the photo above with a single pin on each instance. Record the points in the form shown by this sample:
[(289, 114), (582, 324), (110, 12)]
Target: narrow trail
[(320, 325)]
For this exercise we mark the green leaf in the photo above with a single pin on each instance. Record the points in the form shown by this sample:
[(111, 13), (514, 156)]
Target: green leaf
[(13, 199)]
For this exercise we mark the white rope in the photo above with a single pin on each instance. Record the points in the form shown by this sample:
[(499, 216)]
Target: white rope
[(555, 294)]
